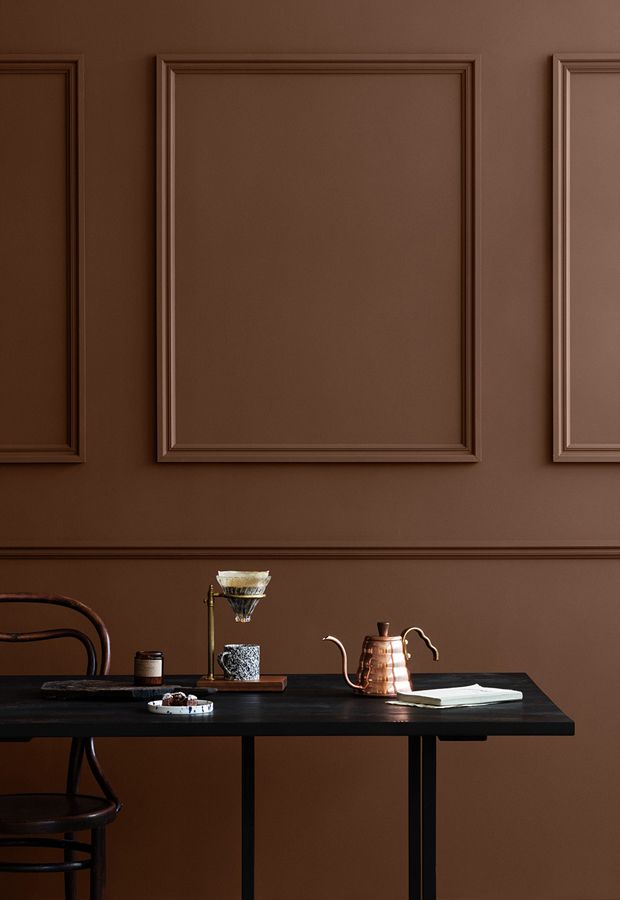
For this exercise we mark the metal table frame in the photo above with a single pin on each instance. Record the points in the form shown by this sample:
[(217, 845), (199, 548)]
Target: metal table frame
[(422, 816)]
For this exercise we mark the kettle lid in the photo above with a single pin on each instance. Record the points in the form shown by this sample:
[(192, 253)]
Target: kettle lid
[(382, 633)]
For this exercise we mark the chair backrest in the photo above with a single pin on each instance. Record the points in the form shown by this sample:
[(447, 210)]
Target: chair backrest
[(96, 664)]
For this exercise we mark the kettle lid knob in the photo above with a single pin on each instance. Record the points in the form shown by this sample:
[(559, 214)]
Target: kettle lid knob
[(383, 628)]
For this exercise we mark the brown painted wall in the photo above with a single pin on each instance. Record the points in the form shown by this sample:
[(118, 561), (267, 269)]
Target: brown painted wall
[(326, 256)]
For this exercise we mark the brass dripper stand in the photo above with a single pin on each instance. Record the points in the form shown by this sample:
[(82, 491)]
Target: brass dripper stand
[(242, 606)]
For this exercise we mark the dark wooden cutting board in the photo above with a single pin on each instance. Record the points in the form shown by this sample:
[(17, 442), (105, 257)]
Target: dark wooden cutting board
[(104, 689)]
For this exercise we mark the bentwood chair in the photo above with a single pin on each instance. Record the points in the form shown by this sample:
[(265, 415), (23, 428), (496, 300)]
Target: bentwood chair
[(26, 820)]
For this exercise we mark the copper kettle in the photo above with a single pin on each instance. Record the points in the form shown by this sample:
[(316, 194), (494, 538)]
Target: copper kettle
[(382, 669)]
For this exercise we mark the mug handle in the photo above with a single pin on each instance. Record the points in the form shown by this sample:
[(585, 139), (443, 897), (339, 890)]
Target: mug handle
[(220, 659)]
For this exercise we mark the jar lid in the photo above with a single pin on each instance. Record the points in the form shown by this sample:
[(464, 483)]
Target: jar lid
[(149, 654)]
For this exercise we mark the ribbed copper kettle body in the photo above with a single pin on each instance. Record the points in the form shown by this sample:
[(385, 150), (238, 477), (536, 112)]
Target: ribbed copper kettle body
[(382, 669)]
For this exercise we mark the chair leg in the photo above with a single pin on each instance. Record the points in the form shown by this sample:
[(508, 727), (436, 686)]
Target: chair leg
[(98, 865), (70, 876)]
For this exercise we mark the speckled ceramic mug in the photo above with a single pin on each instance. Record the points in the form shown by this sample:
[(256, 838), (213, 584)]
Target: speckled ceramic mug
[(240, 662)]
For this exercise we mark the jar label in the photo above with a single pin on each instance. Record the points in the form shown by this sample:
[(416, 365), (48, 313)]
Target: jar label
[(148, 668)]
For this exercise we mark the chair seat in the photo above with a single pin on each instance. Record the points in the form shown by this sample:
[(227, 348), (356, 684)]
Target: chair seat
[(51, 813)]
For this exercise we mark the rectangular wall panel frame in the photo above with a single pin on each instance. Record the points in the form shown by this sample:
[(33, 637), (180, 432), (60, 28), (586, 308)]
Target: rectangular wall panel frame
[(467, 67), (564, 67), (72, 67)]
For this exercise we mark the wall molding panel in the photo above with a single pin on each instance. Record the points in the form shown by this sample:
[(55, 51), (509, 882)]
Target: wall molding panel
[(71, 68), (605, 550), (172, 447), (567, 334)]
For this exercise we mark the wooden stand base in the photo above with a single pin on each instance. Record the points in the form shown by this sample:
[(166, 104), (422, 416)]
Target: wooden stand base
[(265, 683)]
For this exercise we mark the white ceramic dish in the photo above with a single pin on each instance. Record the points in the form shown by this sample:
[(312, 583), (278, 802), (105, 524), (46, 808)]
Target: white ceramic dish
[(202, 708)]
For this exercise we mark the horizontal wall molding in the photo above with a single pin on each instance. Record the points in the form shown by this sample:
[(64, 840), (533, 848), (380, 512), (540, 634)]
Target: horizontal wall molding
[(565, 448), (465, 67), (604, 550), (71, 67)]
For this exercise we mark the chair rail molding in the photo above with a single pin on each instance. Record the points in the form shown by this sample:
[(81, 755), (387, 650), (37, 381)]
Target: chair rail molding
[(71, 68), (585, 285), (480, 551), (173, 445)]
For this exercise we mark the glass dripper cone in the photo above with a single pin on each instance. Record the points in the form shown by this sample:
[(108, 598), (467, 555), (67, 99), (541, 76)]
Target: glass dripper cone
[(243, 606)]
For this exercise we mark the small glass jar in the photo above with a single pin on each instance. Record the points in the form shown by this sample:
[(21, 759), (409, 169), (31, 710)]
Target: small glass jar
[(148, 667)]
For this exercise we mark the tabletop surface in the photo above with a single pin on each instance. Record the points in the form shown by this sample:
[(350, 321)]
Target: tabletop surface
[(310, 705)]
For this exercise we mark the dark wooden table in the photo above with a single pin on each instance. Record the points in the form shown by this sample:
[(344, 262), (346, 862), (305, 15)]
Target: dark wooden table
[(313, 705)]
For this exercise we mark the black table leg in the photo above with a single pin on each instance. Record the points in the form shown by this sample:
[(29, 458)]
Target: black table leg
[(422, 818), (247, 818), (429, 817), (415, 822)]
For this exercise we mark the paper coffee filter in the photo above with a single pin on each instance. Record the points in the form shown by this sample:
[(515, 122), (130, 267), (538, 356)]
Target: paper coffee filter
[(232, 578)]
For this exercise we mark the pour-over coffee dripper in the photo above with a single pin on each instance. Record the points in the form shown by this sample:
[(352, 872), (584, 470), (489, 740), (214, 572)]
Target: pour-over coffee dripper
[(243, 590)]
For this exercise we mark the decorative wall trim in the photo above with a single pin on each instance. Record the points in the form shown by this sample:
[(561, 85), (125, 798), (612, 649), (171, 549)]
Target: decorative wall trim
[(565, 65), (606, 550), (467, 67), (72, 66)]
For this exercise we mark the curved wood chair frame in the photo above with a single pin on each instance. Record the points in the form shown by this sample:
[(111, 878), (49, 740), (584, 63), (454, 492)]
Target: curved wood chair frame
[(92, 855)]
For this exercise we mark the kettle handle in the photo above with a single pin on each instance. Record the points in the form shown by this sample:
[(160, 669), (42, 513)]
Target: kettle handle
[(356, 687), (424, 637)]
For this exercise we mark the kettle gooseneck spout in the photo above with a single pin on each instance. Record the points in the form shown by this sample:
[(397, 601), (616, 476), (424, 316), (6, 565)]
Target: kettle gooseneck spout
[(356, 687)]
